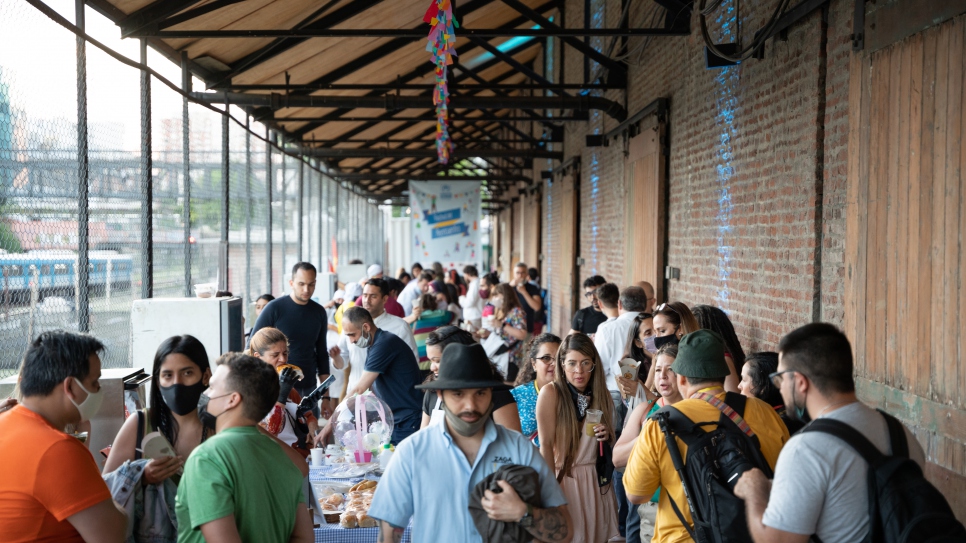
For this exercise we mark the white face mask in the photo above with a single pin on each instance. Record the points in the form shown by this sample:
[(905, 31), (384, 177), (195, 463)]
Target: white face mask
[(497, 303), (91, 405), (363, 341)]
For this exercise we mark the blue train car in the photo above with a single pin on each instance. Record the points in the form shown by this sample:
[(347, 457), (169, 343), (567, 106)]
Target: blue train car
[(54, 273)]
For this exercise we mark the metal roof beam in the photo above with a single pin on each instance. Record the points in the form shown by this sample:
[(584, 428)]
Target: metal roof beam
[(414, 34), (431, 152), (151, 14)]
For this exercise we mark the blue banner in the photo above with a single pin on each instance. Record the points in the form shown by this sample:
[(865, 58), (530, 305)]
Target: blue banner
[(441, 216), (458, 229)]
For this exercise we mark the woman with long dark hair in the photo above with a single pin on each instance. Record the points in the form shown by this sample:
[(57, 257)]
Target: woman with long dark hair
[(180, 374), (578, 386), (537, 372), (509, 322), (714, 319)]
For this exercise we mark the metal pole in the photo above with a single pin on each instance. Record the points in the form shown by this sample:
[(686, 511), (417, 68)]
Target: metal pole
[(322, 215), (337, 223), (301, 202), (147, 188), (268, 227), (225, 207), (186, 173), (248, 211), (284, 221), (83, 175)]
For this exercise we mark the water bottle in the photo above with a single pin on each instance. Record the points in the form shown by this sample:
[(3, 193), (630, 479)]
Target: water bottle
[(385, 456)]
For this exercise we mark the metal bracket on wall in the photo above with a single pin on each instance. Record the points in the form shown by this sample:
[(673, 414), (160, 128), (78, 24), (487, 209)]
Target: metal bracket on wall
[(858, 26)]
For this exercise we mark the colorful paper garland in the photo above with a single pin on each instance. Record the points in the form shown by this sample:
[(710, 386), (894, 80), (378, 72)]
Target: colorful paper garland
[(442, 46)]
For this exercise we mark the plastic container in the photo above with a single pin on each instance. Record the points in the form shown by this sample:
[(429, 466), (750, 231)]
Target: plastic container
[(385, 456)]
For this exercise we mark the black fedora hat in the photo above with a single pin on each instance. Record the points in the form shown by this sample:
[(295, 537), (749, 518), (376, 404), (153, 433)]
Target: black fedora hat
[(464, 366)]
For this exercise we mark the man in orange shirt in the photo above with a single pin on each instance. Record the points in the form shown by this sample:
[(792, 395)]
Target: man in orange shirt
[(52, 489)]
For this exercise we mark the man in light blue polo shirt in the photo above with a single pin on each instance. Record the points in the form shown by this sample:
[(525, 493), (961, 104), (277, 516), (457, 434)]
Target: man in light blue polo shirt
[(433, 472)]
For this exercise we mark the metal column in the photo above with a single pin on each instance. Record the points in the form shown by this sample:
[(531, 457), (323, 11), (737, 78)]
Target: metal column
[(186, 174), (83, 173), (268, 227), (248, 211), (284, 221), (147, 188), (225, 206), (301, 202)]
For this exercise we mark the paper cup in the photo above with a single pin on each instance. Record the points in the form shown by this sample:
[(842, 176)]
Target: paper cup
[(318, 457), (629, 368)]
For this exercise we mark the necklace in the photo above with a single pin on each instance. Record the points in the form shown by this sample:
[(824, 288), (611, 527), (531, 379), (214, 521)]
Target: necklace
[(824, 409)]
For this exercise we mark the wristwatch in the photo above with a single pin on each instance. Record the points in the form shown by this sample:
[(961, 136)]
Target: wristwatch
[(527, 520)]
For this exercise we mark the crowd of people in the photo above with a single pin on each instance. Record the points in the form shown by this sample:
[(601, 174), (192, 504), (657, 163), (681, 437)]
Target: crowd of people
[(502, 430)]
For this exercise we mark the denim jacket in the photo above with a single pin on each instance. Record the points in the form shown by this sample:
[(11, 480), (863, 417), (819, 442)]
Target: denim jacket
[(149, 508)]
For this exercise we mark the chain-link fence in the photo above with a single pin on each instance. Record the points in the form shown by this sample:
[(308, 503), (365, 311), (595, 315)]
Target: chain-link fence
[(114, 187)]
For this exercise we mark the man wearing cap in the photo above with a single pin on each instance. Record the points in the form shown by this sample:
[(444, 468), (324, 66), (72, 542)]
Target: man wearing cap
[(433, 472), (700, 370)]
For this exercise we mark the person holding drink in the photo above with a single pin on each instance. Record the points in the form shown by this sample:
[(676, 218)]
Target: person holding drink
[(574, 424)]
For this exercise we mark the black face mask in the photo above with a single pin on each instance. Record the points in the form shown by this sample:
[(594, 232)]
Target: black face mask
[(182, 399), (208, 421), (665, 340)]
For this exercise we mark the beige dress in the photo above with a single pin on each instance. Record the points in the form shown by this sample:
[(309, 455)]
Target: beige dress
[(594, 514)]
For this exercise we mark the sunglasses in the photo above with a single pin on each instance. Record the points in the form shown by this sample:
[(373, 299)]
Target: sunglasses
[(664, 307)]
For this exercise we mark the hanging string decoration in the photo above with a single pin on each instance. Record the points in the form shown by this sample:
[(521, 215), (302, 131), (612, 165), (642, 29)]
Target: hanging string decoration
[(442, 46)]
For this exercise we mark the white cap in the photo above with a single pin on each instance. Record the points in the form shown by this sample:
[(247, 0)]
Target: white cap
[(374, 270), (353, 291), (338, 294)]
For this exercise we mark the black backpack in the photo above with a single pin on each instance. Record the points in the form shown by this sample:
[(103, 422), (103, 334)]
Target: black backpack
[(903, 506), (718, 453)]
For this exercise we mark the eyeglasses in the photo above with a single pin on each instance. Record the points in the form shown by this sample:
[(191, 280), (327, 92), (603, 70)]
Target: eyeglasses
[(546, 359), (585, 366), (590, 294), (776, 377)]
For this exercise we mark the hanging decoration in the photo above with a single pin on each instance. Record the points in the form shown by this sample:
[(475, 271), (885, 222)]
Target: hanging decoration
[(442, 46)]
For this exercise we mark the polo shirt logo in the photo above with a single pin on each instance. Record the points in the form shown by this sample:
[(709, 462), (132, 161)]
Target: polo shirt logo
[(502, 460)]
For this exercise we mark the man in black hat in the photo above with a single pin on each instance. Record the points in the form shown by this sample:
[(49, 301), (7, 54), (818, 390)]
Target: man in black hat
[(433, 472)]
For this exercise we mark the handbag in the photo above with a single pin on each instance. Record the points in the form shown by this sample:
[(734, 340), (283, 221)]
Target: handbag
[(498, 352), (605, 464)]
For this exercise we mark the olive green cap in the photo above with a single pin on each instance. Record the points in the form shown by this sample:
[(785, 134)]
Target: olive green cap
[(701, 356)]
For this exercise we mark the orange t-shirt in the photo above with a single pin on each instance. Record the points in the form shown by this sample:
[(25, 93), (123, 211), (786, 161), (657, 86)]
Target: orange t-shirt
[(45, 477)]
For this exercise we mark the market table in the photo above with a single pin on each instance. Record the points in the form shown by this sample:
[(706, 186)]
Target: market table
[(334, 533)]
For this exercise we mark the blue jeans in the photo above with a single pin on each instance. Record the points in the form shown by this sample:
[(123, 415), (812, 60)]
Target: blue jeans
[(622, 504)]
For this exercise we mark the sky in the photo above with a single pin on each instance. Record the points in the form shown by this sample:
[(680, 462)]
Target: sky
[(38, 63)]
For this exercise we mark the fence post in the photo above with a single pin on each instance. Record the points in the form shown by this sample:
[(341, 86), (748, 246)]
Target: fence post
[(225, 207), (248, 211), (83, 175), (147, 182), (186, 174), (268, 226)]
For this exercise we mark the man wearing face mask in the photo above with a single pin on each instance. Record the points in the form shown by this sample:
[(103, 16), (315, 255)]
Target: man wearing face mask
[(821, 483), (463, 451), (52, 489), (391, 371), (241, 484)]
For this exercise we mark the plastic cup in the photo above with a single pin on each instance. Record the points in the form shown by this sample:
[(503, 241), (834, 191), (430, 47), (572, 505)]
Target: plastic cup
[(363, 457), (318, 457), (592, 419)]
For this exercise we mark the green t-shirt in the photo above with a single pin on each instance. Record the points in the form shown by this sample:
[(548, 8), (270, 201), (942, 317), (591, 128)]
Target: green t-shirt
[(240, 471)]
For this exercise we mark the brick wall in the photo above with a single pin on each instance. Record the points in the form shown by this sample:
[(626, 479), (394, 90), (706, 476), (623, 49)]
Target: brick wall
[(747, 147)]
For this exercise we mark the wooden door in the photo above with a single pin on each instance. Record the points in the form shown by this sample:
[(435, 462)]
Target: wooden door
[(905, 304), (646, 215), (563, 280)]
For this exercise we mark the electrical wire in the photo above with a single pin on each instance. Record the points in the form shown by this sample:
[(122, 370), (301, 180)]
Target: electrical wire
[(744, 53)]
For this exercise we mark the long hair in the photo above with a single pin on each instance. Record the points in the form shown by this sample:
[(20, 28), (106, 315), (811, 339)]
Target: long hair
[(190, 347), (714, 319), (510, 300), (569, 428), (527, 373), (639, 353), (263, 339), (427, 302), (439, 287), (678, 314)]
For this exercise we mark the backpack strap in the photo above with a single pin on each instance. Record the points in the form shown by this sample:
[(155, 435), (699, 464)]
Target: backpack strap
[(727, 410), (667, 418), (848, 434), (897, 435)]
